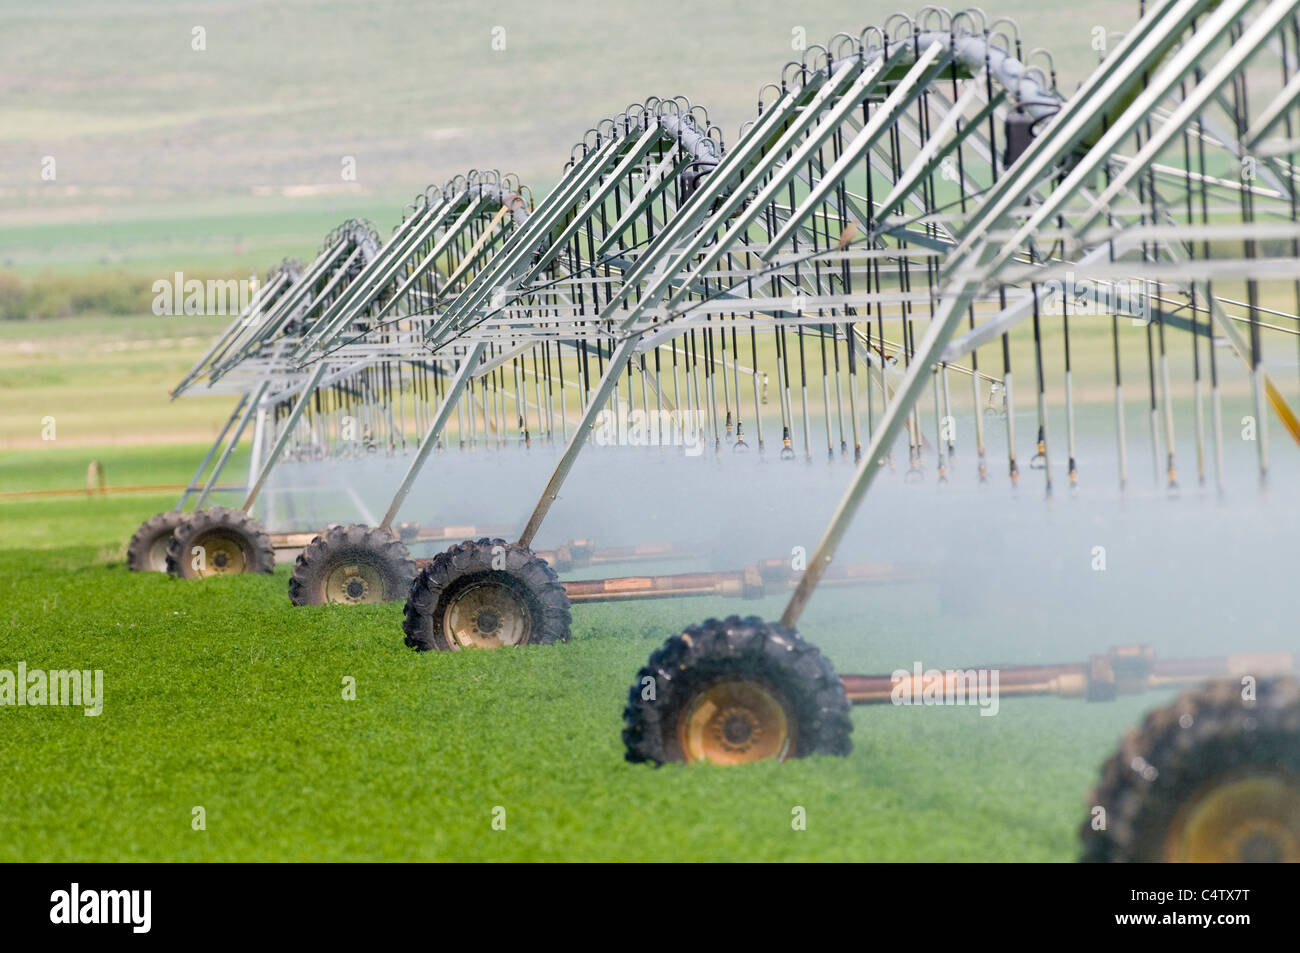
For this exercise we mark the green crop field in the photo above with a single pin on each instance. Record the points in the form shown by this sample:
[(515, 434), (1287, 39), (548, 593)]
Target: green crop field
[(219, 694)]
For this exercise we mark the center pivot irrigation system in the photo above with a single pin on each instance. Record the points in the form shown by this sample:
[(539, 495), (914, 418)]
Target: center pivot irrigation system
[(902, 198)]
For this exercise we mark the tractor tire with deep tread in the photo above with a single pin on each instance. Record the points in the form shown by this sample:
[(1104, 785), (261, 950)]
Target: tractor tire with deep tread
[(352, 564), (768, 663), (233, 543), (147, 550), (1209, 777), (486, 593)]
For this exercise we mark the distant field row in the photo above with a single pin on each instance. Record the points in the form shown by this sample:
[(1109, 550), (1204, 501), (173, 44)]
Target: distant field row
[(130, 364), (231, 235)]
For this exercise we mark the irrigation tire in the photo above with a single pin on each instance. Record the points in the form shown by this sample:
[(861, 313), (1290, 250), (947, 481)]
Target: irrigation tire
[(231, 541), (661, 717), (352, 565), (486, 593), (1160, 791)]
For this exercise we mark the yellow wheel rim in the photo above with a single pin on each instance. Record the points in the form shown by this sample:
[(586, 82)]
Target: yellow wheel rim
[(354, 583), (222, 556), (736, 720), (487, 615), (1250, 819)]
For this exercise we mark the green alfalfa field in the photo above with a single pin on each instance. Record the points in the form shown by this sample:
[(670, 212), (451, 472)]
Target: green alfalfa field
[(219, 694)]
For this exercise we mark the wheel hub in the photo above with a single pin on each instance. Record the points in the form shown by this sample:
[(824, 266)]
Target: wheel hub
[(487, 615), (1255, 819), (222, 556), (737, 729), (735, 720), (354, 583)]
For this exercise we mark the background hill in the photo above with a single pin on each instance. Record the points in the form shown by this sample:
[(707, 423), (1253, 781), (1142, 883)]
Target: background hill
[(227, 159)]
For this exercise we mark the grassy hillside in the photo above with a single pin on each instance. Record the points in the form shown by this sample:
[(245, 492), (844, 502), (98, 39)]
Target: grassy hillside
[(231, 157)]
